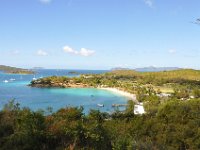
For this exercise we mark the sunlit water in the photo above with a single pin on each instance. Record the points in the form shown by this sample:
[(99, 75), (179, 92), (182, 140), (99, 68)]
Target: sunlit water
[(42, 98)]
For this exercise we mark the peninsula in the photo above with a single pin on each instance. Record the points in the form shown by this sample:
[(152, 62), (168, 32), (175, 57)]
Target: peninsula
[(182, 83), (14, 70)]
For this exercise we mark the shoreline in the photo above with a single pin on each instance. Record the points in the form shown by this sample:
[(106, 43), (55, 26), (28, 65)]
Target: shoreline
[(118, 91)]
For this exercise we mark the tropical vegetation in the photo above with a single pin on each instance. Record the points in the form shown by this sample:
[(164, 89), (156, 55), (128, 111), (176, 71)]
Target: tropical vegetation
[(173, 124)]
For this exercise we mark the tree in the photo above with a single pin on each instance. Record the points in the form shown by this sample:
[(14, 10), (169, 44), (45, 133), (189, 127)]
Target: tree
[(130, 107), (196, 93)]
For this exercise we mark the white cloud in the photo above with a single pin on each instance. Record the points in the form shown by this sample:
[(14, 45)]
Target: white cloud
[(68, 49), (45, 1), (86, 52), (149, 3), (83, 52), (41, 53), (172, 51)]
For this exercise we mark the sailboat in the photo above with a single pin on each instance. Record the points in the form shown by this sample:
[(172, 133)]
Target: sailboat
[(5, 81), (34, 78)]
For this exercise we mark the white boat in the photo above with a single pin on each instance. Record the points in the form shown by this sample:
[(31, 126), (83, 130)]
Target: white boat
[(5, 81), (34, 78), (100, 105)]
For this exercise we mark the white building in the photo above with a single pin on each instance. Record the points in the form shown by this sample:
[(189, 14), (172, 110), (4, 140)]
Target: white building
[(139, 109)]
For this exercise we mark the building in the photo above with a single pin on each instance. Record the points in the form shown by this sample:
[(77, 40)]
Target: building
[(139, 109)]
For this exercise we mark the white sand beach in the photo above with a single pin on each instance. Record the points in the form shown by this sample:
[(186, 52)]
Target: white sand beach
[(118, 91)]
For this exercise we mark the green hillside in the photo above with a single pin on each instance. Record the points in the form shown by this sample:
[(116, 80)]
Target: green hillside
[(14, 70)]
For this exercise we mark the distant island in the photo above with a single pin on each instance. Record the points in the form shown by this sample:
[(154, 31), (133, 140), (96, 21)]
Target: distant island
[(73, 72), (120, 68), (37, 68), (148, 69), (14, 70), (156, 69)]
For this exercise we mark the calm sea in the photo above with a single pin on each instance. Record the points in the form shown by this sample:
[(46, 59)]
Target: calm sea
[(42, 98)]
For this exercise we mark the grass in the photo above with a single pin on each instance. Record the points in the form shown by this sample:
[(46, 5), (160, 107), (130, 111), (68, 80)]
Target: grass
[(164, 89)]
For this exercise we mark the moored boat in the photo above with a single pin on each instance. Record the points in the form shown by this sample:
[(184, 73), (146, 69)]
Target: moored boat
[(100, 105), (5, 81)]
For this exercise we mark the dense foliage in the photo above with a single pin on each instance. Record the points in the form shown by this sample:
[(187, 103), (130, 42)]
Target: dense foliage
[(171, 125), (188, 76)]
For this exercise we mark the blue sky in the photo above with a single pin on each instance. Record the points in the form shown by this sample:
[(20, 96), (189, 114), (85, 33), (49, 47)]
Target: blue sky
[(99, 34)]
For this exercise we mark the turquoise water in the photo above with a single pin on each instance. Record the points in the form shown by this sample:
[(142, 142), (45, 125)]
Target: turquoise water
[(42, 98)]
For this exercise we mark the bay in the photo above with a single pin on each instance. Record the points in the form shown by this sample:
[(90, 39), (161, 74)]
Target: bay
[(42, 98)]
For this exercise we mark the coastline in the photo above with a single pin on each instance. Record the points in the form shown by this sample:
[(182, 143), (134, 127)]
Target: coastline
[(118, 91), (10, 73)]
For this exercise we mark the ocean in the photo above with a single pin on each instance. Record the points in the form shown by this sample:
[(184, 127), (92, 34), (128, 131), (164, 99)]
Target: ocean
[(41, 98)]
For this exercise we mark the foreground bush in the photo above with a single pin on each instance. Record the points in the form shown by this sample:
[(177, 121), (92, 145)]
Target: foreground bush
[(173, 125)]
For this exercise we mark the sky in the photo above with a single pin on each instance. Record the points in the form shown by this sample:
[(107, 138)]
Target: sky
[(99, 34)]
